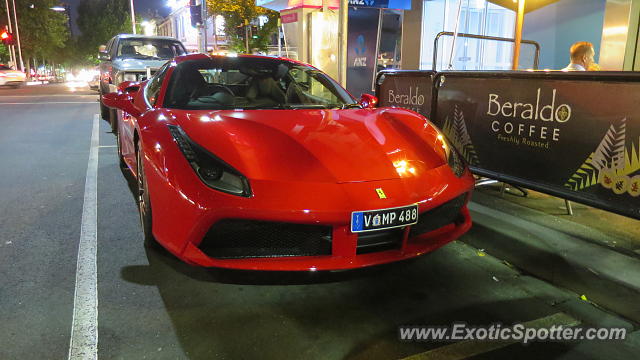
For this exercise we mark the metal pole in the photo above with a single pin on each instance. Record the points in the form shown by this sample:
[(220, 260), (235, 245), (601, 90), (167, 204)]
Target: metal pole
[(455, 36), (15, 22), (518, 33), (12, 58), (215, 32), (284, 37), (133, 17), (343, 21), (379, 32), (246, 36), (279, 39), (204, 24)]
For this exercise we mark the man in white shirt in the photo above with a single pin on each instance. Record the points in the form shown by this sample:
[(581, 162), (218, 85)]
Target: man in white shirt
[(581, 54)]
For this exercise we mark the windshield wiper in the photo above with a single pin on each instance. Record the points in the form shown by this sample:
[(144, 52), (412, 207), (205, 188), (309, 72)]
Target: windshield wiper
[(351, 106)]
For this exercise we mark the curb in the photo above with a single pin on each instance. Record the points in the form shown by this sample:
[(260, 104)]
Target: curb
[(606, 277)]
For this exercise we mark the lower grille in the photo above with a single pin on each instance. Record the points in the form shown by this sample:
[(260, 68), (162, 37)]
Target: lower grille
[(382, 240), (445, 214), (235, 238)]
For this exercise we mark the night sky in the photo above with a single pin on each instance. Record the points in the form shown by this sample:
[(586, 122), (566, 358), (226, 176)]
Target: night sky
[(142, 6)]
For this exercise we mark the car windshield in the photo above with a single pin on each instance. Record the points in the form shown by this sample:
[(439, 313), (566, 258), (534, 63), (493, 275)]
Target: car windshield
[(153, 49), (252, 83)]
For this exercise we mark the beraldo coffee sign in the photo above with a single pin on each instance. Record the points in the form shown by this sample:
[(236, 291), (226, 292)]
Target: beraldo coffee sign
[(528, 123), (576, 137), (407, 90)]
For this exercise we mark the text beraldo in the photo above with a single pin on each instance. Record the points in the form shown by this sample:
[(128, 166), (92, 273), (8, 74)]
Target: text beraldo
[(531, 133), (411, 101)]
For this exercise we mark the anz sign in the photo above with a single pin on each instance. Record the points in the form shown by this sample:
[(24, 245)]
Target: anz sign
[(364, 3), (382, 4)]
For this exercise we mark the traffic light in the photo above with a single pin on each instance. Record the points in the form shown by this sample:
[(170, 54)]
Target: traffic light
[(7, 38), (196, 14), (254, 31)]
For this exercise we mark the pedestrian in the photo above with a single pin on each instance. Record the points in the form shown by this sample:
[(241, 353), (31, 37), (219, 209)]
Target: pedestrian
[(581, 55)]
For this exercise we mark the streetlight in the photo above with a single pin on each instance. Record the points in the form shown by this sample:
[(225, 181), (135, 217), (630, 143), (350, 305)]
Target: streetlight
[(15, 22), (133, 17)]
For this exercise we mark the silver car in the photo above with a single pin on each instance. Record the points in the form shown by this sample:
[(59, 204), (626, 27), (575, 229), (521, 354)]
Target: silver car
[(128, 57), (11, 77)]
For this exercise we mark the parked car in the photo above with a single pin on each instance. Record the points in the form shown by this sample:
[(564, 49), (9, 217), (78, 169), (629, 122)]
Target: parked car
[(128, 57), (255, 162), (10, 77)]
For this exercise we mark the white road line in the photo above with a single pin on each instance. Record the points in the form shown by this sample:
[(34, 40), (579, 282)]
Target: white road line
[(48, 102), (84, 327), (106, 146), (468, 348)]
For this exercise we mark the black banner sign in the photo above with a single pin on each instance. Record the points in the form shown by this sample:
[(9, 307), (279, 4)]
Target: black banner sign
[(576, 136), (407, 89)]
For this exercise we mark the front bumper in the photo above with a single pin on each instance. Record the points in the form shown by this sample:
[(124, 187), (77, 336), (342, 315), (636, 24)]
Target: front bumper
[(185, 210)]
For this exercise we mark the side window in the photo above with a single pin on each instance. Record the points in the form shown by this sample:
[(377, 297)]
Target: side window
[(110, 46), (153, 87)]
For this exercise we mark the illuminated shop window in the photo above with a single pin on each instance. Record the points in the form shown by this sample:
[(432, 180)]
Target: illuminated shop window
[(478, 17)]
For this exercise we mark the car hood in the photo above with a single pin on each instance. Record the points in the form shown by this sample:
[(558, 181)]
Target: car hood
[(137, 64), (340, 146)]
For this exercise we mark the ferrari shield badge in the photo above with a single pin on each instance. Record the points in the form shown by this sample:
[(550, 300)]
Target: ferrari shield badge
[(381, 193)]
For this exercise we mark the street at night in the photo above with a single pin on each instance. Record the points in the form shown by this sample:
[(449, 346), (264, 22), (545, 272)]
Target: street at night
[(335, 179), (151, 305)]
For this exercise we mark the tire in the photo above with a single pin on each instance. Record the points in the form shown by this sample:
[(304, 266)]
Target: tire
[(113, 120), (143, 199), (105, 112), (123, 165)]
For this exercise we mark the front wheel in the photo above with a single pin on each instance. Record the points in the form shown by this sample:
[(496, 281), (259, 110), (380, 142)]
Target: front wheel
[(144, 202), (123, 165), (105, 112)]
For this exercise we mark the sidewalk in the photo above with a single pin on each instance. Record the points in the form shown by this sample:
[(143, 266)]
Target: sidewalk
[(593, 252)]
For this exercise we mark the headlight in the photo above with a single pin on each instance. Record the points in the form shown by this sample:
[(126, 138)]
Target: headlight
[(214, 172)]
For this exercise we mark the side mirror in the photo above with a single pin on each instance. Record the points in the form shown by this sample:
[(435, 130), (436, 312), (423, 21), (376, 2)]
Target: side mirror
[(129, 87), (122, 101), (368, 101), (103, 55)]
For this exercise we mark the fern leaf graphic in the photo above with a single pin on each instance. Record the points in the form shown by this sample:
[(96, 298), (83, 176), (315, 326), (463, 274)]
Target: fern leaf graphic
[(585, 176), (456, 131), (632, 159), (610, 155), (610, 152)]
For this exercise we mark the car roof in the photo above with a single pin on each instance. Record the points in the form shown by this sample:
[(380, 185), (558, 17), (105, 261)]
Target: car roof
[(140, 36)]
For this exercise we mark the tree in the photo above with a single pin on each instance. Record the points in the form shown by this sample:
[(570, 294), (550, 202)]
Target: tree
[(43, 32), (4, 54), (99, 21), (237, 13)]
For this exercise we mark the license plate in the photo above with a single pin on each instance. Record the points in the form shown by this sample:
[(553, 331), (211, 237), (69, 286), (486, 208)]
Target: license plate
[(372, 220)]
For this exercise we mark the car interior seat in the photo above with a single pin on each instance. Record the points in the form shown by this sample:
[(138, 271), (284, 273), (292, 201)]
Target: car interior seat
[(264, 90), (191, 82), (165, 53), (128, 50)]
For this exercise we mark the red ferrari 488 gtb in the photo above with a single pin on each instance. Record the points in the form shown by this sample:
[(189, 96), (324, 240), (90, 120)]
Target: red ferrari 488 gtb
[(264, 163)]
